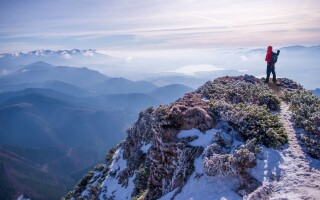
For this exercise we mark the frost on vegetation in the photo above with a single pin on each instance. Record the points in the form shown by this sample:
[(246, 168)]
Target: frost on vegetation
[(110, 155), (252, 121), (240, 91), (141, 181), (305, 108), (262, 193), (220, 164), (218, 161)]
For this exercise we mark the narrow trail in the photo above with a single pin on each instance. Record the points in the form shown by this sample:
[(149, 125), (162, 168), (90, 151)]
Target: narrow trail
[(298, 180)]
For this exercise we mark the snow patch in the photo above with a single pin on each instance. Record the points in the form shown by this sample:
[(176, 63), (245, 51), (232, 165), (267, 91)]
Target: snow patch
[(204, 139), (200, 185), (205, 99), (21, 197), (145, 147), (268, 162), (169, 195)]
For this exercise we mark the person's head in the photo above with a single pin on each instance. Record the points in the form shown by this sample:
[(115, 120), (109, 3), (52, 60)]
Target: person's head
[(269, 48)]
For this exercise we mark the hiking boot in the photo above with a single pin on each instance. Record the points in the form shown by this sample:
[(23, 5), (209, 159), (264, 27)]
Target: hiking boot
[(274, 81)]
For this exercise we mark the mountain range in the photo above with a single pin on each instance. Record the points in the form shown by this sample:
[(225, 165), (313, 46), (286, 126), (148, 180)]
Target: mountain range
[(56, 122), (317, 92), (295, 62), (56, 57)]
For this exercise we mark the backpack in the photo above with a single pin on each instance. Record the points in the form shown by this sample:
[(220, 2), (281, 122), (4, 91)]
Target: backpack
[(274, 58)]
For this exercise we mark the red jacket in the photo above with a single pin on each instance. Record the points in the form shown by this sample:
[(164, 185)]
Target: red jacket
[(269, 54)]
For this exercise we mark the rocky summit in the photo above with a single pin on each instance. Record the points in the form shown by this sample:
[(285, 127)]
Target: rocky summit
[(233, 138)]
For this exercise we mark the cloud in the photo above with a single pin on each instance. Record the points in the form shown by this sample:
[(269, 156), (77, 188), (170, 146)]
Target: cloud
[(192, 69), (243, 58), (129, 59), (161, 24)]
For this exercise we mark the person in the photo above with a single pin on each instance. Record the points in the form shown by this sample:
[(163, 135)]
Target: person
[(271, 59)]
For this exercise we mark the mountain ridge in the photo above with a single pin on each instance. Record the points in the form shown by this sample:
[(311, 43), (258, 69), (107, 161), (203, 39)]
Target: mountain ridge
[(216, 133), (47, 52)]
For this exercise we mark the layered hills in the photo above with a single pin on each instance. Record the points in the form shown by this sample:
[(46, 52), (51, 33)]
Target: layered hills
[(58, 122)]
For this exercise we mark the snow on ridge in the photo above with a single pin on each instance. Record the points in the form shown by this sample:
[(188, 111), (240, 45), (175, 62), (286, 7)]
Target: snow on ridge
[(110, 186), (87, 192)]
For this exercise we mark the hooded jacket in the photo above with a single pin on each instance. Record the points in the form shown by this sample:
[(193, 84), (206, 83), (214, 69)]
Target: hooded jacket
[(269, 54)]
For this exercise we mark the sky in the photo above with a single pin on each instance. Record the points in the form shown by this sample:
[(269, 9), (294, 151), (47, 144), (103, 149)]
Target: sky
[(133, 25)]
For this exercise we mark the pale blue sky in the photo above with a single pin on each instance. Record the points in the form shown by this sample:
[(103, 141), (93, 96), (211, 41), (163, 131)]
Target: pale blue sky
[(156, 24)]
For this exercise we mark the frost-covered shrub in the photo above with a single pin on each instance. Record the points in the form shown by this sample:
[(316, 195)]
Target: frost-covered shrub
[(306, 111), (68, 196), (239, 91), (262, 193), (220, 164), (136, 159), (213, 149), (217, 163), (99, 167), (221, 145), (224, 140), (110, 154), (289, 84), (252, 121), (246, 155), (141, 181), (312, 144), (113, 173), (305, 108), (269, 99), (84, 182)]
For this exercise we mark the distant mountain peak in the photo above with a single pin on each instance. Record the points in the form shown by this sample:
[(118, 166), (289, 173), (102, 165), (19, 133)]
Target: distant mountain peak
[(47, 53), (40, 64)]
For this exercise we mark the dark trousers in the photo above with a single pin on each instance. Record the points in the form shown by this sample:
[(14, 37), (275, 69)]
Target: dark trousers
[(270, 69)]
